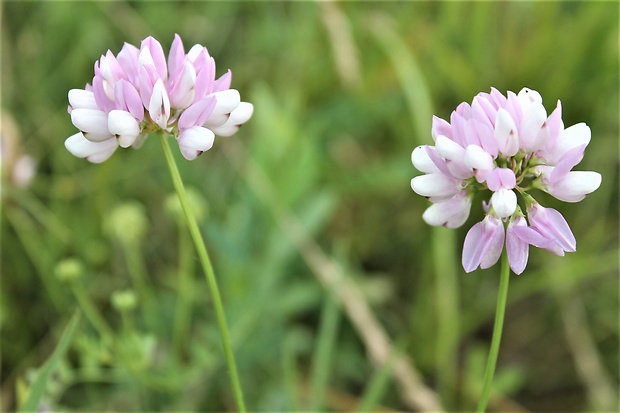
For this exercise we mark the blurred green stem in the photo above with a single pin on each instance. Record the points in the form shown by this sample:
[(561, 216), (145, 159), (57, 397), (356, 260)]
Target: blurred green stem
[(185, 287), (140, 280), (497, 332), (208, 270), (321, 368), (91, 312), (448, 324)]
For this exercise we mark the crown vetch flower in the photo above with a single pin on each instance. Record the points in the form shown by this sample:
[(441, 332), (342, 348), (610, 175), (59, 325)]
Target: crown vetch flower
[(506, 145), (140, 91)]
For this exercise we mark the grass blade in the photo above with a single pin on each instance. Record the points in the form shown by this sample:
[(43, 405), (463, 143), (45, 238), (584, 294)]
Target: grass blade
[(38, 387)]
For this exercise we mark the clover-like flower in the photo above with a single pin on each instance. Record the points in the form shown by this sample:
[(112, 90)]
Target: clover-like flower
[(139, 92), (506, 145)]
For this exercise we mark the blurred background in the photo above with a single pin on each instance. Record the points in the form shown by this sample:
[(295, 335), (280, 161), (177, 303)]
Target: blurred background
[(307, 213)]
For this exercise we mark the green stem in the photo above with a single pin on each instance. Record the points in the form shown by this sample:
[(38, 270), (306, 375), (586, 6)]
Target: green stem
[(182, 314), (497, 333), (209, 274), (91, 312), (140, 280)]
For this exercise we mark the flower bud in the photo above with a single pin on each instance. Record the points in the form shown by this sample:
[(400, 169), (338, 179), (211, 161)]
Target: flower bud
[(124, 301), (127, 222), (69, 269), (197, 204)]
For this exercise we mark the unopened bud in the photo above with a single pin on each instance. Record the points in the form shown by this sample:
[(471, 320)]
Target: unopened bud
[(69, 269), (124, 300), (127, 222), (196, 201)]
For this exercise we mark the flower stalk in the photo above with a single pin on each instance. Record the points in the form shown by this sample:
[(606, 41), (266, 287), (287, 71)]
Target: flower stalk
[(208, 271), (502, 297)]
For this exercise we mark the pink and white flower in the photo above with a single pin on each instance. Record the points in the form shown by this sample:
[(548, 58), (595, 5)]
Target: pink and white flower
[(506, 145), (140, 91)]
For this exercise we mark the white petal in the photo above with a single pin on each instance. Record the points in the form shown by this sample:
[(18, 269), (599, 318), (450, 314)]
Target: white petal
[(227, 101), (93, 123), (530, 138), (575, 186), (124, 126), (455, 154), (195, 51), (505, 133), (239, 116), (452, 213), (194, 141), (504, 202), (159, 106), (437, 185), (449, 149), (95, 152), (422, 161), (479, 160), (570, 138), (82, 99), (527, 96)]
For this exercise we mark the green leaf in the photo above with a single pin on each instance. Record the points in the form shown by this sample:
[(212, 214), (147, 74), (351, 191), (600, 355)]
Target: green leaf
[(38, 387)]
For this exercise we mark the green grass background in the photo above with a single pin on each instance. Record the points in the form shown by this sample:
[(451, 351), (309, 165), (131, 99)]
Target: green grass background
[(337, 113)]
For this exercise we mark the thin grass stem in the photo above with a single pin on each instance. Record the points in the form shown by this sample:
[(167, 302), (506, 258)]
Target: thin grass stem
[(92, 313), (208, 271), (497, 333)]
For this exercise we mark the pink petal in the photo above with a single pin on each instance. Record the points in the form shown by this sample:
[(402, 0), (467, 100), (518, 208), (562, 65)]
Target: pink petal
[(176, 56), (441, 127), (223, 83), (501, 178), (196, 114), (517, 250), (128, 60), (205, 76), (570, 138), (182, 92), (153, 52), (566, 163), (128, 99), (551, 224), (483, 244)]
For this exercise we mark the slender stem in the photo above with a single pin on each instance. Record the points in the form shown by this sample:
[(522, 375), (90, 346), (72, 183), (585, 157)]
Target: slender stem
[(140, 280), (91, 312), (448, 324), (209, 274), (497, 333), (182, 314)]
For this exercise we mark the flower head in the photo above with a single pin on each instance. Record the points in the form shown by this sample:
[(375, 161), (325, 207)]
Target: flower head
[(139, 91), (506, 145)]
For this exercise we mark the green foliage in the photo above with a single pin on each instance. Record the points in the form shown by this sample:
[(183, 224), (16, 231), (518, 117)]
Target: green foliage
[(338, 110)]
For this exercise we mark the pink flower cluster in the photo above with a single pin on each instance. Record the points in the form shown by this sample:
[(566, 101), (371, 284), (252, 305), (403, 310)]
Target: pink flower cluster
[(507, 145), (139, 92)]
